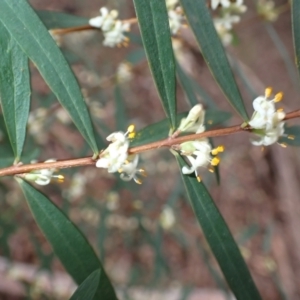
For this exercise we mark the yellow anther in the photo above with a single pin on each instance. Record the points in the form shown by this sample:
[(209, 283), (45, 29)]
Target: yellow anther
[(280, 109), (221, 148), (199, 179), (59, 178), (278, 97), (268, 92), (217, 150), (210, 122), (291, 137), (215, 161), (138, 181), (283, 145), (211, 170), (131, 128), (143, 172), (131, 135), (214, 151)]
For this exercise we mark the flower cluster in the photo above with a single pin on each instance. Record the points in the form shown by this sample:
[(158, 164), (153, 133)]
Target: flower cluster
[(44, 176), (199, 153), (267, 10), (266, 121), (115, 157), (228, 16), (176, 16), (112, 28)]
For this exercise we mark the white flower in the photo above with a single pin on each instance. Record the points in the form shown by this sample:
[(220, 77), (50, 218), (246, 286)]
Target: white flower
[(226, 21), (124, 72), (130, 171), (115, 157), (167, 218), (43, 176), (115, 36), (216, 3), (266, 9), (267, 123), (199, 154), (113, 29), (270, 136), (106, 20), (175, 20), (171, 4), (115, 154), (224, 34), (194, 121), (238, 7)]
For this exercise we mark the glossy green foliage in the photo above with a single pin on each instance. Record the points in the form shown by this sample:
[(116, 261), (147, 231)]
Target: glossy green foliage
[(219, 238), (40, 47), (55, 19), (14, 90), (292, 136), (213, 52), (295, 10), (68, 243), (88, 288), (154, 26)]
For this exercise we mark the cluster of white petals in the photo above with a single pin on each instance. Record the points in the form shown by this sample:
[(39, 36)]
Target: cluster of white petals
[(112, 28), (124, 72), (167, 218), (266, 121), (176, 17), (171, 4), (227, 17), (43, 176), (199, 153), (216, 3), (267, 10), (226, 21), (194, 122), (115, 157)]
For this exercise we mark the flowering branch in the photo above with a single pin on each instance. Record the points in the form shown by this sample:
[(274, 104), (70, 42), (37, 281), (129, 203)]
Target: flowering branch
[(62, 31), (169, 142)]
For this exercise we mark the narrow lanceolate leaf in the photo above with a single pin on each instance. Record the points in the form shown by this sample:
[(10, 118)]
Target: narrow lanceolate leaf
[(68, 243), (295, 9), (32, 36), (154, 26), (213, 52), (220, 239), (14, 90), (292, 136), (88, 288), (55, 19), (186, 85)]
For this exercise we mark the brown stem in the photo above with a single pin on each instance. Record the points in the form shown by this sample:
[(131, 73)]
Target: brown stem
[(169, 142), (62, 31)]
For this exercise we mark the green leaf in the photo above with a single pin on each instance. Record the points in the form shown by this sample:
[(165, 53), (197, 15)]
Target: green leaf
[(213, 52), (32, 36), (88, 288), (154, 26), (186, 85), (55, 19), (68, 243), (295, 9), (160, 130), (292, 137), (14, 90), (219, 239)]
